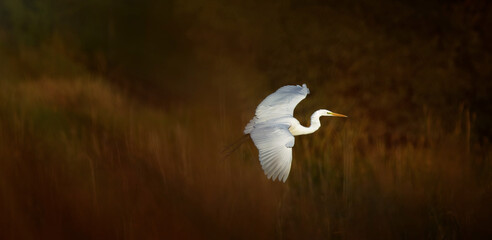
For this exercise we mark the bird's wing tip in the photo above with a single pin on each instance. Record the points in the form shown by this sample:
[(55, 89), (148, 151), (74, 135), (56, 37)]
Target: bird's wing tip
[(305, 87)]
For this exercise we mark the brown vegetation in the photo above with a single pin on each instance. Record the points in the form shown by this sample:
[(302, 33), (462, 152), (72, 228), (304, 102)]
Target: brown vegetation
[(119, 135)]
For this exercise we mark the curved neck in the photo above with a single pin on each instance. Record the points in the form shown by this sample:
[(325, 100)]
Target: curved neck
[(301, 130)]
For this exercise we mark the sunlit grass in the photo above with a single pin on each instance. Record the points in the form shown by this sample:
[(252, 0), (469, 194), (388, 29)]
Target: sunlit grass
[(79, 157)]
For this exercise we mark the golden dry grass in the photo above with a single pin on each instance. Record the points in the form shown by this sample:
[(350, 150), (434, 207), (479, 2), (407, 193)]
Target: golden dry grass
[(136, 152), (80, 158)]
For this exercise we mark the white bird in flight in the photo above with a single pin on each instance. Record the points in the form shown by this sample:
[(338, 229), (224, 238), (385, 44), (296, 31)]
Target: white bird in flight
[(273, 129)]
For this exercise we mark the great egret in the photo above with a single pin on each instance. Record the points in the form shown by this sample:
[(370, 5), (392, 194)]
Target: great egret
[(273, 129)]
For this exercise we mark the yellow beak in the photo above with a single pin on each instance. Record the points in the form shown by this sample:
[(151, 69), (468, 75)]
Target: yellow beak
[(337, 115)]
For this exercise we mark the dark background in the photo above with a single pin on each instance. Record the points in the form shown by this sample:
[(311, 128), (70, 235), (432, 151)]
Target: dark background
[(114, 114)]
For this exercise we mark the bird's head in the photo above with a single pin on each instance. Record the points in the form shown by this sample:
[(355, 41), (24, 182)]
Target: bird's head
[(328, 113)]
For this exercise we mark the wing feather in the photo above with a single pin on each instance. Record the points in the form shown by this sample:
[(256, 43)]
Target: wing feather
[(282, 102), (274, 142), (269, 130), (279, 104)]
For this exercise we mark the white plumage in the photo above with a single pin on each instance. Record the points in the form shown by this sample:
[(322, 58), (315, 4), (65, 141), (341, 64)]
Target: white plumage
[(273, 129)]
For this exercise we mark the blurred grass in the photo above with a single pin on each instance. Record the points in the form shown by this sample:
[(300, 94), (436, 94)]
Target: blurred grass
[(112, 123), (78, 158), (76, 151)]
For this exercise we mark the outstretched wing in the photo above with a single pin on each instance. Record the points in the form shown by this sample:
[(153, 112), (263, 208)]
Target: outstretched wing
[(278, 105), (281, 103), (274, 143), (270, 130)]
